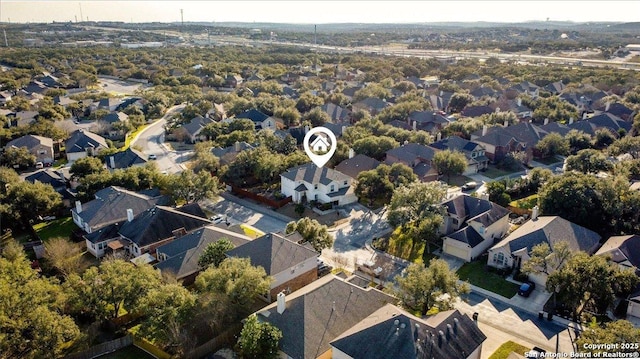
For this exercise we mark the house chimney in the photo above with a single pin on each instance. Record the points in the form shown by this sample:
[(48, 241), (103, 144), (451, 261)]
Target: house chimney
[(112, 162), (506, 123), (546, 121), (237, 146), (441, 93), (606, 107), (344, 129), (306, 129), (519, 101), (439, 136), (352, 153), (571, 120), (129, 215), (78, 207), (415, 125), (534, 213), (484, 130), (281, 302), (584, 115), (456, 323)]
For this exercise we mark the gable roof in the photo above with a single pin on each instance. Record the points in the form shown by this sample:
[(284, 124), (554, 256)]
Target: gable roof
[(622, 249), (48, 176), (126, 158), (358, 163), (184, 252), (410, 152), (253, 115), (80, 140), (467, 207), (229, 154), (393, 331), (113, 117), (335, 112), (313, 174), (274, 253), (159, 223), (111, 204), (550, 230), (196, 124), (456, 143), (319, 312), (30, 141), (476, 111), (373, 103)]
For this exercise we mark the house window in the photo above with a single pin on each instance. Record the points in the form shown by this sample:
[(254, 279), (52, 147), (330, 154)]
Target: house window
[(454, 220), (346, 182), (500, 259), (42, 152), (315, 186), (315, 197), (332, 188)]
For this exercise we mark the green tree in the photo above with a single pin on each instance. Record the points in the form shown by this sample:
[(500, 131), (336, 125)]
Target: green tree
[(31, 307), (307, 101), (18, 157), (603, 138), (168, 311), (65, 256), (312, 231), (423, 288), (588, 161), (105, 290), (449, 163), (459, 101), (553, 144), (578, 140), (317, 117), (544, 260), (414, 202), (26, 201), (190, 187), (259, 340), (237, 279), (619, 331), (590, 282), (85, 166), (625, 144), (214, 253), (378, 184), (497, 193), (375, 146)]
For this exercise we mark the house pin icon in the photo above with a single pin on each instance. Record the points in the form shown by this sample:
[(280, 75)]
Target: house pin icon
[(322, 148)]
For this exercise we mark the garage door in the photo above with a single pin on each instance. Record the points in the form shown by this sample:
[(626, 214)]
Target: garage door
[(456, 251)]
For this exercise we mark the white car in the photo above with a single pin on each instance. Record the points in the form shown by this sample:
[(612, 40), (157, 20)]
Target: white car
[(153, 157), (217, 219)]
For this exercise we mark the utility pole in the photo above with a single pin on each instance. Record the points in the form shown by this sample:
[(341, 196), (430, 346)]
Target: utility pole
[(6, 43), (182, 19), (81, 17)]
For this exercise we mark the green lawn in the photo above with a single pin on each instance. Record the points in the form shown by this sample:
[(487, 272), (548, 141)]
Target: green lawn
[(493, 172), (458, 180), (61, 227), (130, 352), (548, 161), (507, 348), (477, 275)]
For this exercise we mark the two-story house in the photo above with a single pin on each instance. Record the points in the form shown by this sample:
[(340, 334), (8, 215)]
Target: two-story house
[(260, 119), (309, 182), (416, 156), (474, 152), (83, 143), (41, 147), (291, 265), (471, 226)]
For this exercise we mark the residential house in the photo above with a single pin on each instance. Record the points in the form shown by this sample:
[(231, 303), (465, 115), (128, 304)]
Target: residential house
[(107, 128), (309, 182), (513, 251), (625, 252), (476, 111), (233, 81), (555, 87), (371, 104), (5, 96), (427, 121), (125, 159), (83, 143), (110, 104), (147, 231), (498, 141), (338, 114), (110, 206), (440, 102), (41, 147), (484, 91), (525, 87), (394, 332), (313, 316), (261, 120), (471, 226), (416, 156), (180, 257), (228, 154), (474, 152), (36, 87), (22, 118), (193, 128), (605, 120), (619, 110), (291, 265), (56, 179), (355, 164)]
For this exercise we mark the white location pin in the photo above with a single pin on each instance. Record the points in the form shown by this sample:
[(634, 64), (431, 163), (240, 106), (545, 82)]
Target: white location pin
[(323, 146)]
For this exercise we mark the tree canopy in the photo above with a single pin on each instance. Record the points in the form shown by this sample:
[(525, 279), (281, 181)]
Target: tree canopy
[(259, 340), (449, 163), (312, 231), (214, 253)]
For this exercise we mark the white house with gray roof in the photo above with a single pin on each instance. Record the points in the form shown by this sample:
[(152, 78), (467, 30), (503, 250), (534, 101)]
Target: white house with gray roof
[(310, 182), (82, 144), (515, 249)]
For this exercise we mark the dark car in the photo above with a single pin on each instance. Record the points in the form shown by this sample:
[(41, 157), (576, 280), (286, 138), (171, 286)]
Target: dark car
[(526, 289)]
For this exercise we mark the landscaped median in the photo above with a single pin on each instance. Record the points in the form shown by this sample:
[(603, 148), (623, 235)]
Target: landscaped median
[(477, 274)]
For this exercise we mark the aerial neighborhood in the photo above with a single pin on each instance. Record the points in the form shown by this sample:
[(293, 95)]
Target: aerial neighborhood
[(157, 198)]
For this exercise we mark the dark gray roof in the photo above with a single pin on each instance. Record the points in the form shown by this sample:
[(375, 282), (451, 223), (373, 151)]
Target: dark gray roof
[(30, 141), (126, 158), (622, 248), (337, 113), (111, 204), (551, 230), (48, 176), (319, 312), (423, 117), (456, 143), (410, 152), (105, 233), (311, 173), (393, 333), (80, 140), (229, 154), (374, 103), (353, 166), (467, 235), (253, 115), (184, 252), (476, 111), (159, 223), (274, 253), (301, 188), (115, 117), (477, 209), (196, 124)]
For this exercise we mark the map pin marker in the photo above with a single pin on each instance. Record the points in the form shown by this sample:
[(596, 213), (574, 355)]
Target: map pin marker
[(322, 148)]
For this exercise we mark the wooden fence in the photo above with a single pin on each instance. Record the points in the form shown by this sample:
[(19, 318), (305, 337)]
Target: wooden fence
[(103, 348), (226, 339), (259, 198)]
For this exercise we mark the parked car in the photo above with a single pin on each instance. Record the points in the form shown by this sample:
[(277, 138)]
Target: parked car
[(526, 289), (469, 185), (217, 219), (153, 157), (39, 165)]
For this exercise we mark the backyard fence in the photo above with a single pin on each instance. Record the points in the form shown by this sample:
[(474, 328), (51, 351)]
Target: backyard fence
[(227, 339), (103, 348), (259, 198)]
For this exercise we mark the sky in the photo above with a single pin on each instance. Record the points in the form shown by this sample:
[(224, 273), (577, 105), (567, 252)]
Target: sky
[(319, 12)]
